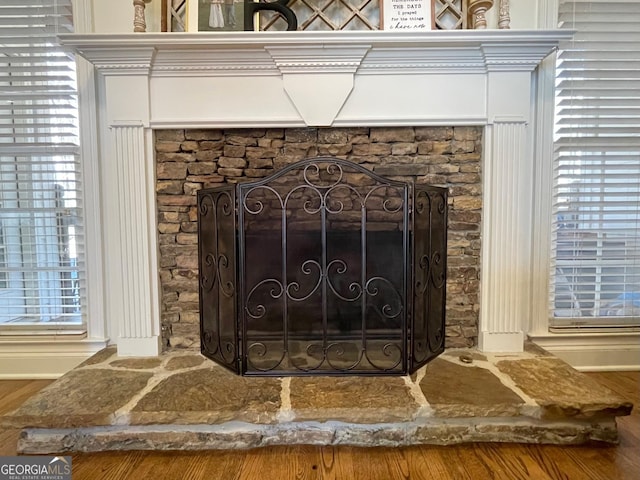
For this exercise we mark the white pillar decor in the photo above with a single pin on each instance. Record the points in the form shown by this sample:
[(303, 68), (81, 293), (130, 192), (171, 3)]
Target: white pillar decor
[(506, 236), (132, 282), (249, 79), (139, 21), (478, 10), (504, 19)]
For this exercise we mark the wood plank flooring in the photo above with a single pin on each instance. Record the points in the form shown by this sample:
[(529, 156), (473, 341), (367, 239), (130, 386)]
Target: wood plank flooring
[(473, 462)]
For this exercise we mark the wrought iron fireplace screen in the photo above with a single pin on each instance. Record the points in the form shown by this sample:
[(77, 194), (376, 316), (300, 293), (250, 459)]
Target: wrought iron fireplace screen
[(322, 268)]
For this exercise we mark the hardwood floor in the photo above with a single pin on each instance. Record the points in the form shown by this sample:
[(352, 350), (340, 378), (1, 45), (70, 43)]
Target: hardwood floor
[(473, 462), (12, 394)]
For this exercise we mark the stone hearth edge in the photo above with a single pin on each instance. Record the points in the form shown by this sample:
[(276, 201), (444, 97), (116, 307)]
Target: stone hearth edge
[(182, 401)]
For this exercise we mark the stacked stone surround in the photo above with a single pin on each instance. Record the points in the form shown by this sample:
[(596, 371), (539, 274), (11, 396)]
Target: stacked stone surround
[(188, 160)]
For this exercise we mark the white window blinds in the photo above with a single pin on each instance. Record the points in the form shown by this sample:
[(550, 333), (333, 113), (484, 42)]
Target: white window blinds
[(596, 219), (41, 233)]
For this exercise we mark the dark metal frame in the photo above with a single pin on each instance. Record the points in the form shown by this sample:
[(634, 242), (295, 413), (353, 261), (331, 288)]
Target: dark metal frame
[(225, 298), (218, 276), (429, 273)]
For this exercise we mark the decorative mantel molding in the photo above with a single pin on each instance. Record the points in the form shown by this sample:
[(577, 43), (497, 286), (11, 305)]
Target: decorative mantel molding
[(454, 50), (327, 71), (128, 59), (296, 79), (314, 58)]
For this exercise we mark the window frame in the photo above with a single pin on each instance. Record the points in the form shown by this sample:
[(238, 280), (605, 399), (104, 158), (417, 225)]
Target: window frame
[(36, 158)]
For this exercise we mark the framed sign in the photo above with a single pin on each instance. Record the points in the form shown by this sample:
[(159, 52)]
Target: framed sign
[(407, 15), (220, 15)]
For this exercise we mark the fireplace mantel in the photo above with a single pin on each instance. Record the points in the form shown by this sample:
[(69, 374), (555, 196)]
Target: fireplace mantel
[(449, 49), (320, 79), (316, 78)]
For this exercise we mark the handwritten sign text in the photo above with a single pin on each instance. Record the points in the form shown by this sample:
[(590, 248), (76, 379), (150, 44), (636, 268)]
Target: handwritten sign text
[(407, 14)]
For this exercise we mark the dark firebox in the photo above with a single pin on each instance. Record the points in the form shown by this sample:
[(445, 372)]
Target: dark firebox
[(322, 268)]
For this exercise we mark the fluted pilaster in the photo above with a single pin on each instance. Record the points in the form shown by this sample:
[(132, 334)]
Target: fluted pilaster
[(507, 229), (132, 278)]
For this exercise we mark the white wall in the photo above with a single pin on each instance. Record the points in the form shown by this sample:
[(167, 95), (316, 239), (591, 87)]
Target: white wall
[(116, 16), (522, 13)]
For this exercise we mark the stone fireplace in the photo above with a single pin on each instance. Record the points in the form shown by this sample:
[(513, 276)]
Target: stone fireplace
[(179, 114), (299, 80), (190, 160)]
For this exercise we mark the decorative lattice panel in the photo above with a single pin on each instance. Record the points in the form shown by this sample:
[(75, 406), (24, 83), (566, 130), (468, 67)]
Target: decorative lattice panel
[(177, 15), (450, 14), (322, 15), (357, 15)]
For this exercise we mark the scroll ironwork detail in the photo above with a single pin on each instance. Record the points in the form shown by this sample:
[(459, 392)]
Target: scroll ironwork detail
[(322, 268)]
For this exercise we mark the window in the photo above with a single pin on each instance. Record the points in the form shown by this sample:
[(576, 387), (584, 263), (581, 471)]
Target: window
[(41, 243), (4, 277), (596, 217)]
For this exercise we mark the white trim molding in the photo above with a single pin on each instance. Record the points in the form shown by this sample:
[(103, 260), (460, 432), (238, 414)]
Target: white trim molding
[(506, 234), (87, 99), (132, 272), (44, 356), (327, 79), (597, 351)]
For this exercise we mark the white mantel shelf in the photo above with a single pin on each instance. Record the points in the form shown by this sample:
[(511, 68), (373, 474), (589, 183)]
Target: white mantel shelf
[(316, 79), (468, 50)]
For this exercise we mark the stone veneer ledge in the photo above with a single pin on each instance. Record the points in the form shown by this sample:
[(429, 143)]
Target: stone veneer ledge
[(186, 402)]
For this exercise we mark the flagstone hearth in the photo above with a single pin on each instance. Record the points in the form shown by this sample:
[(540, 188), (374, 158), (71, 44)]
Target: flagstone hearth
[(183, 401)]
